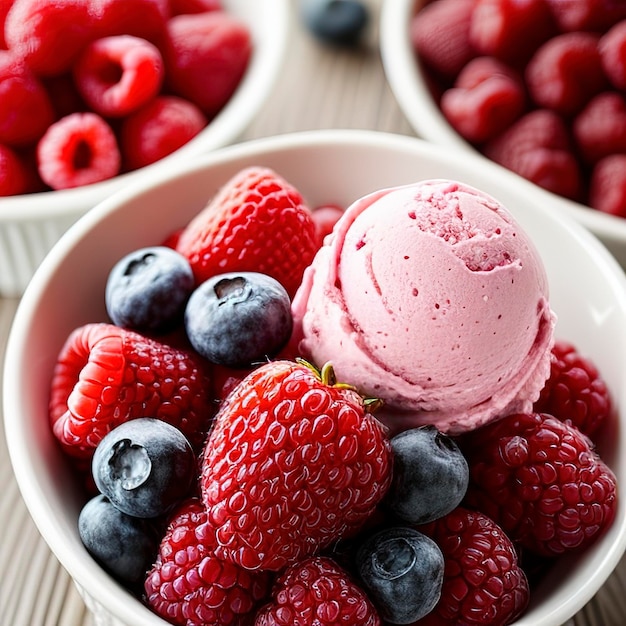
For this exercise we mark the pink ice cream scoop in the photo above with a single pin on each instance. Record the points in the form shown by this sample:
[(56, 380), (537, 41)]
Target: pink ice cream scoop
[(432, 298)]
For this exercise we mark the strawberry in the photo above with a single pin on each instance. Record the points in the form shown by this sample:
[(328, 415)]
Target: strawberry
[(293, 464), (189, 585), (256, 222), (317, 592), (105, 375)]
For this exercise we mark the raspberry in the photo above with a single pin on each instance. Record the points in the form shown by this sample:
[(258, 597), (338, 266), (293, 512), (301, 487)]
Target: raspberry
[(77, 150), (538, 147), (140, 18), (590, 15), (487, 98), (49, 34), (256, 222), (539, 479), (510, 30), (575, 392), (64, 95), (612, 47), (206, 56), (317, 592), (483, 582), (607, 187), (106, 375), (116, 75), (189, 585), (600, 128), (5, 6), (440, 36), (185, 7), (566, 72), (25, 108), (13, 174), (157, 129)]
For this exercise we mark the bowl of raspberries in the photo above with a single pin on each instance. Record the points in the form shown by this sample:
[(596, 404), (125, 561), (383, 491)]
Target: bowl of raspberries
[(194, 450), (536, 86), (96, 93)]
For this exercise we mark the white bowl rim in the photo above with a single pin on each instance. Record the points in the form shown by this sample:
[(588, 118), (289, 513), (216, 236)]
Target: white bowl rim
[(92, 579), (425, 117), (255, 87)]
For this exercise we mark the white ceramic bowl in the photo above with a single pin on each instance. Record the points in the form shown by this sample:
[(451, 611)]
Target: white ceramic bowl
[(408, 84), (31, 223), (327, 167)]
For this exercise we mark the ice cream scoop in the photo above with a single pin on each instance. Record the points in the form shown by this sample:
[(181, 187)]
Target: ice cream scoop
[(432, 298)]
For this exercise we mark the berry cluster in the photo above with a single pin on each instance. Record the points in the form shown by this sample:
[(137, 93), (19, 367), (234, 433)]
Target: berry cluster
[(255, 488), (91, 89), (538, 86)]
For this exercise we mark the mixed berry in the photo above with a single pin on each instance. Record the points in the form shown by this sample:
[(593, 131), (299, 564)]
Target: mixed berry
[(537, 86), (230, 482), (90, 89)]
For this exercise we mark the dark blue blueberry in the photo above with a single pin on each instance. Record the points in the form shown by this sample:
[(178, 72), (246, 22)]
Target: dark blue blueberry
[(238, 319), (339, 22), (144, 466), (125, 546), (147, 290), (430, 475), (402, 571)]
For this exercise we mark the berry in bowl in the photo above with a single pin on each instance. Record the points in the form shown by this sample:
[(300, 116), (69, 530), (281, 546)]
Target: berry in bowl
[(95, 94), (535, 86), (287, 370)]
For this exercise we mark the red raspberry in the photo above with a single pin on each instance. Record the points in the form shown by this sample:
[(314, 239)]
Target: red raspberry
[(538, 147), (600, 128), (607, 186), (105, 375), (540, 480), (185, 7), (206, 56), (141, 18), (487, 98), (157, 129), (483, 582), (440, 36), (575, 392), (117, 75), (566, 72), (612, 47), (25, 109), (317, 592), (188, 585), (256, 222), (590, 15), (78, 150), (64, 95), (325, 217), (49, 34), (5, 6), (293, 464), (14, 177), (510, 30)]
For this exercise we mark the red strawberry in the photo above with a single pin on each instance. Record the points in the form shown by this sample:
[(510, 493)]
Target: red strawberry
[(106, 375), (189, 585), (483, 582), (317, 592), (540, 480), (575, 392), (256, 222), (293, 464)]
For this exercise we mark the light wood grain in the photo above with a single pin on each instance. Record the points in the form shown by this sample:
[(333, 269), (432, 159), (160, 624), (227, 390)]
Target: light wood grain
[(320, 87)]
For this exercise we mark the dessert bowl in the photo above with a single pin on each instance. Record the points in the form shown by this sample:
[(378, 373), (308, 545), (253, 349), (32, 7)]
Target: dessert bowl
[(31, 223), (409, 84), (334, 167)]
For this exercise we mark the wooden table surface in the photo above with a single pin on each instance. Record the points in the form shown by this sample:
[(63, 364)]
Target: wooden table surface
[(320, 87)]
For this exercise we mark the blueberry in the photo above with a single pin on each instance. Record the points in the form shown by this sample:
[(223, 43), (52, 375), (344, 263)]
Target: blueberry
[(237, 319), (147, 290), (430, 475), (144, 466), (339, 22), (125, 546), (402, 570)]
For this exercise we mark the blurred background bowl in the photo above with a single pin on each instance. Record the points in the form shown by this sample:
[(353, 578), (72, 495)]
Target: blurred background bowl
[(31, 223), (409, 84), (327, 167)]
